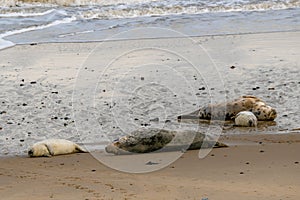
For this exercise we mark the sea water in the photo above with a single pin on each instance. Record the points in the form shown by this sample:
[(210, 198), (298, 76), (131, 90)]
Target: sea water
[(82, 20)]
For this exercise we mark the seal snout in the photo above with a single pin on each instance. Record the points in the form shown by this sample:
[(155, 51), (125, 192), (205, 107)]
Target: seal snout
[(30, 152), (273, 114)]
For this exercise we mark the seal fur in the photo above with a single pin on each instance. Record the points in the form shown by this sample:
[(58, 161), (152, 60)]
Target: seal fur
[(53, 147), (151, 139), (228, 110), (245, 118)]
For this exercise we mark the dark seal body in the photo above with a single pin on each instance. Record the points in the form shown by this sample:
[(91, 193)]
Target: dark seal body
[(150, 140)]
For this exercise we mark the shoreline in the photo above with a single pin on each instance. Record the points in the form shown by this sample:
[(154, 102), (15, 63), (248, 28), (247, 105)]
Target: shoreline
[(150, 38)]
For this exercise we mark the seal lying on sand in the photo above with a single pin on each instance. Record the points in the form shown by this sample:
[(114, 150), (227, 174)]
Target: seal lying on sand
[(149, 140), (53, 147), (245, 118), (228, 110)]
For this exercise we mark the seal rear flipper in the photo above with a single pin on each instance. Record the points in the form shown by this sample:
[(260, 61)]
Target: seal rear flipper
[(220, 144), (79, 149)]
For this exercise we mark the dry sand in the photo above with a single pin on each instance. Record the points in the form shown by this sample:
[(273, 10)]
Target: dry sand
[(37, 84)]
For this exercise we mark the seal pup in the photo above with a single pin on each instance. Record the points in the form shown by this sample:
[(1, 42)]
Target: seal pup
[(53, 147), (228, 110), (245, 118), (146, 140)]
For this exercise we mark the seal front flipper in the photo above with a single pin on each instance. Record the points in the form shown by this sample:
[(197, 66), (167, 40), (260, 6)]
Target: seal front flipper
[(50, 150)]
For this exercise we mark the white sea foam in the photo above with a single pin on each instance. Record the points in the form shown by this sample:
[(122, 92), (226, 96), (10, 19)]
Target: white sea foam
[(5, 44), (144, 8), (33, 28), (24, 14)]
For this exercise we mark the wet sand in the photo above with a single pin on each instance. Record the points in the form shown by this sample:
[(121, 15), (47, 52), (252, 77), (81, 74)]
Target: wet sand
[(260, 170), (38, 101)]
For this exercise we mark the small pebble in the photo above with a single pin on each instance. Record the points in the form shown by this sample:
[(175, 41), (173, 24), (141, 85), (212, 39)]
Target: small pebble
[(151, 163), (33, 82), (232, 67), (296, 162), (154, 120), (261, 151), (145, 124), (241, 172)]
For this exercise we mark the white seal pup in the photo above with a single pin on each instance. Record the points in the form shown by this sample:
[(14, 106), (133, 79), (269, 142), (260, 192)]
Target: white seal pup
[(245, 118), (53, 147), (151, 139), (228, 110)]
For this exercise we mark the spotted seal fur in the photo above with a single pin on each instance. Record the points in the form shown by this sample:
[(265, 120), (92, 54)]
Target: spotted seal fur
[(228, 110), (147, 140)]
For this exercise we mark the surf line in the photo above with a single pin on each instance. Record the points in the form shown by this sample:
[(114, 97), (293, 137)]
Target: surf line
[(6, 43)]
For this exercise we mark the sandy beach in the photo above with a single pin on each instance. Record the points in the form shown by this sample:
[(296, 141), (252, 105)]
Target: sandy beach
[(263, 170), (46, 93)]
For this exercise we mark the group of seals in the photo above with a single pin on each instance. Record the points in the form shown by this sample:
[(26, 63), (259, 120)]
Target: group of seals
[(229, 110), (147, 140), (245, 111)]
